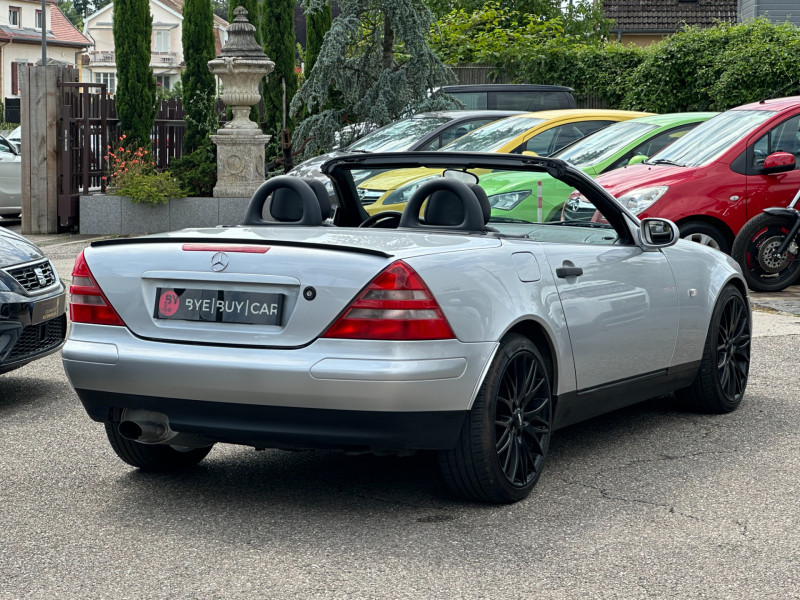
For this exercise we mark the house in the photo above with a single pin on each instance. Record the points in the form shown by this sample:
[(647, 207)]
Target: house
[(166, 57), (643, 22), (21, 40), (777, 11)]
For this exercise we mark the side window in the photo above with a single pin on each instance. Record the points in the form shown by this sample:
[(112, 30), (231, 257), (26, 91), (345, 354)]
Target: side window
[(558, 137), (472, 100), (652, 146), (784, 137), (5, 146), (454, 132)]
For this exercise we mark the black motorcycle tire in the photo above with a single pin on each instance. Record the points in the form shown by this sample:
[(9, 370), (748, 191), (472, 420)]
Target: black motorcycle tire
[(765, 229)]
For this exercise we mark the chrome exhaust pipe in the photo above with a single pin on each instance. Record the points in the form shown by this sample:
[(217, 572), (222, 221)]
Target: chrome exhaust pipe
[(145, 427), (150, 427)]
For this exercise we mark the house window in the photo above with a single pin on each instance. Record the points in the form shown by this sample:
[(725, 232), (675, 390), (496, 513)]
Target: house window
[(13, 16), (37, 22), (161, 41), (163, 81), (110, 79)]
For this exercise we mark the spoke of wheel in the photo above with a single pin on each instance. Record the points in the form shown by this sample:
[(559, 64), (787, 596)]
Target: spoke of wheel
[(513, 470), (504, 441), (535, 436)]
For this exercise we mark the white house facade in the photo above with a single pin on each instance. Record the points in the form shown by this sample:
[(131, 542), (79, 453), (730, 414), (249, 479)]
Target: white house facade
[(21, 40), (166, 55)]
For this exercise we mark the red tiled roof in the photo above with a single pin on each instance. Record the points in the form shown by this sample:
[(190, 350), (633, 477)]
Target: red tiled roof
[(63, 30), (60, 32), (667, 15)]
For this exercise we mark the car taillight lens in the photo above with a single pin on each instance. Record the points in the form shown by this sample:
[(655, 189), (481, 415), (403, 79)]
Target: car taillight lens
[(87, 302), (396, 305)]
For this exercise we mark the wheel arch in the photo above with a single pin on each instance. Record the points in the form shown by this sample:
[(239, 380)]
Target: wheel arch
[(536, 332), (709, 220)]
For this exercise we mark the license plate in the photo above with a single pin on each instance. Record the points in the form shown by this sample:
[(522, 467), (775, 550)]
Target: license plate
[(45, 310), (219, 306)]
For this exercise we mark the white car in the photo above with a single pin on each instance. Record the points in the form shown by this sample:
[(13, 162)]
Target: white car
[(10, 179)]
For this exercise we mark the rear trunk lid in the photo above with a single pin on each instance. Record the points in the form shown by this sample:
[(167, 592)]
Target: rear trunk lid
[(267, 286)]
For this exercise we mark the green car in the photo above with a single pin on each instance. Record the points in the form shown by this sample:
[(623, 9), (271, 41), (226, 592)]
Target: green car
[(514, 195)]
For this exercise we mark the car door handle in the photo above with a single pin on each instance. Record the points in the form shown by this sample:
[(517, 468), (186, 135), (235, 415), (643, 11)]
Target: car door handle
[(564, 272)]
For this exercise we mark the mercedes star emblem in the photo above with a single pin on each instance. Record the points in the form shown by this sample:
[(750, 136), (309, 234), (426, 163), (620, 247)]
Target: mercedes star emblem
[(219, 261)]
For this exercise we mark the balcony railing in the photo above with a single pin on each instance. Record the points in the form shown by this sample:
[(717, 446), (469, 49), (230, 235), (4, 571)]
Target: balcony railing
[(164, 59), (101, 57)]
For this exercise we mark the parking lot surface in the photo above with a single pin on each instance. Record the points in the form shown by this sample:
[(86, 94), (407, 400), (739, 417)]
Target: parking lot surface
[(647, 502)]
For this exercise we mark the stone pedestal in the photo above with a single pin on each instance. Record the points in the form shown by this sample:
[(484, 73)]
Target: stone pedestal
[(240, 162), (240, 144)]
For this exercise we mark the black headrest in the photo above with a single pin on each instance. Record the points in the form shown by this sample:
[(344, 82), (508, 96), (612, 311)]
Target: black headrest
[(286, 205), (444, 208), (322, 196), (480, 194)]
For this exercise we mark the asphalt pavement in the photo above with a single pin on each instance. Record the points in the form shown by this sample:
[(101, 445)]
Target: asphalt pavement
[(646, 502)]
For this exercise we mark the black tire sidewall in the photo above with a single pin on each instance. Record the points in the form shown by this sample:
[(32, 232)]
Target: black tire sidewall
[(725, 404)]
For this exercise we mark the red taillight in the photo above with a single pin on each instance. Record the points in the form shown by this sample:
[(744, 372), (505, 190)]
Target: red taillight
[(87, 302), (396, 305)]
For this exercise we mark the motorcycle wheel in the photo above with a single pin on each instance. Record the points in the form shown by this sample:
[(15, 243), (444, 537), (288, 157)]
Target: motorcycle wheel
[(754, 250)]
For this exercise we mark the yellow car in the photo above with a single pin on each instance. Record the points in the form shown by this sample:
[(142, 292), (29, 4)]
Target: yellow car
[(541, 133)]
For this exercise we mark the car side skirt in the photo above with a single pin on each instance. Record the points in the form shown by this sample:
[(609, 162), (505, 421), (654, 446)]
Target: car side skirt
[(289, 427), (574, 407)]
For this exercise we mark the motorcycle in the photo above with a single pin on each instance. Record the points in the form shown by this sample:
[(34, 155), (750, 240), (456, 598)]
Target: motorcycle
[(766, 248)]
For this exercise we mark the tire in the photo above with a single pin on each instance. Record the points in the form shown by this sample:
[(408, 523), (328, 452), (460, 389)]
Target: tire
[(754, 250), (722, 378), (502, 448), (705, 234), (155, 458)]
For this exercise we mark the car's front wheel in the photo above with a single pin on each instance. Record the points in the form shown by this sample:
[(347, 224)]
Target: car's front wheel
[(706, 235), (503, 444), (720, 383), (157, 458)]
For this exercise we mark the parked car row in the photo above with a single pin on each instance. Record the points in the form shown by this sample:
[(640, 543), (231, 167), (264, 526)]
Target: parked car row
[(709, 173)]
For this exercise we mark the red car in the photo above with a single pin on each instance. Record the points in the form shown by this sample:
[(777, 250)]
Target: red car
[(720, 174)]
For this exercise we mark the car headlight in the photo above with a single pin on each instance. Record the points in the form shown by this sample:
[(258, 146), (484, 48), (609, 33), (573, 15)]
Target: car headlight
[(508, 200), (404, 192), (639, 200)]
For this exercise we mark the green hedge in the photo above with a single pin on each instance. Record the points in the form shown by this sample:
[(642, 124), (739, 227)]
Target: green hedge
[(696, 69)]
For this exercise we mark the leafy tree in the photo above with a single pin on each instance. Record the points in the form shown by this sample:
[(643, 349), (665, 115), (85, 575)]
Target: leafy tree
[(199, 88), (277, 32), (318, 22), (72, 11), (136, 86), (377, 59)]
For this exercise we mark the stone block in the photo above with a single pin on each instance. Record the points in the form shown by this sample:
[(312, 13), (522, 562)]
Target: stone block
[(193, 212), (100, 214)]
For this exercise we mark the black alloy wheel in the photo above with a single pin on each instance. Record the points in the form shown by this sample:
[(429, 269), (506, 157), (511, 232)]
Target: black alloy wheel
[(721, 381), (522, 419), (733, 348), (503, 444)]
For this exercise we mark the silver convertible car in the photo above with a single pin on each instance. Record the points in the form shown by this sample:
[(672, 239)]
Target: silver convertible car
[(431, 329)]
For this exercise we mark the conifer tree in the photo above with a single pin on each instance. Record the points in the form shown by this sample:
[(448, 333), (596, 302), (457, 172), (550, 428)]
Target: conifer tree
[(277, 33), (136, 86), (318, 22), (199, 93), (376, 63)]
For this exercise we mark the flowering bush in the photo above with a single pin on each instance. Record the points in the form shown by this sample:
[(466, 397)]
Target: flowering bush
[(133, 173)]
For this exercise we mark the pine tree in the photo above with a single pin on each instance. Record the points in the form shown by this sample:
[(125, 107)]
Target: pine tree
[(318, 22), (136, 86), (376, 62), (199, 93), (277, 32)]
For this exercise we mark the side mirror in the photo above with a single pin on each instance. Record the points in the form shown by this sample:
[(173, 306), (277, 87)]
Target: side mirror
[(778, 162), (658, 233), (635, 160)]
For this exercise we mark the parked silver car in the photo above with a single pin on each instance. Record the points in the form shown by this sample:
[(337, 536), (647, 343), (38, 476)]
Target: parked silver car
[(10, 179), (444, 330)]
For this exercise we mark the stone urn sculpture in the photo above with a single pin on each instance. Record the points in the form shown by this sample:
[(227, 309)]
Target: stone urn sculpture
[(240, 144)]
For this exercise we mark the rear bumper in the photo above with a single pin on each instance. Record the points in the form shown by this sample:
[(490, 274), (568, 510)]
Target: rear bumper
[(281, 427), (332, 393)]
